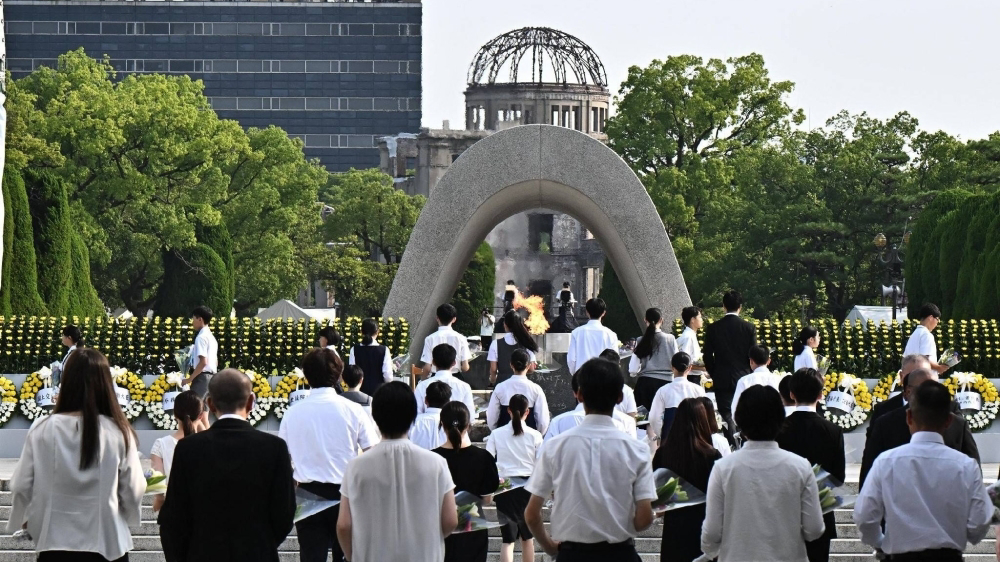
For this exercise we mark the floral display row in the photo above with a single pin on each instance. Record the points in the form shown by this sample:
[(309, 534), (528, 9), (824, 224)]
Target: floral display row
[(147, 345)]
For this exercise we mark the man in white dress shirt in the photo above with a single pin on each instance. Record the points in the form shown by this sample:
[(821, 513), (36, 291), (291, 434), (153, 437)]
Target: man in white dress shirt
[(324, 432), (688, 340), (446, 316), (589, 340), (931, 497), (443, 358), (760, 358), (204, 354), (921, 341), (602, 480), (426, 431)]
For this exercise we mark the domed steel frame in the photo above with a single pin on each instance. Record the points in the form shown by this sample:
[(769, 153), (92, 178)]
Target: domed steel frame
[(567, 55)]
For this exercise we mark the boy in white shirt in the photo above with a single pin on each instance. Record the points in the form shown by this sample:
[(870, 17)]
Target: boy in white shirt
[(426, 431), (446, 316), (589, 340), (760, 358), (593, 519), (204, 353), (443, 358), (688, 340), (568, 420), (922, 342)]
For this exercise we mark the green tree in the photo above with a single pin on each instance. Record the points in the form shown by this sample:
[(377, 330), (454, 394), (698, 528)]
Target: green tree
[(83, 299), (194, 276), (620, 316), (475, 290), (19, 291), (52, 235), (922, 281)]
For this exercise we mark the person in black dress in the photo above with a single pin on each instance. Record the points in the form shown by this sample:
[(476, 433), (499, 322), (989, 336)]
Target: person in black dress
[(689, 453), (475, 471)]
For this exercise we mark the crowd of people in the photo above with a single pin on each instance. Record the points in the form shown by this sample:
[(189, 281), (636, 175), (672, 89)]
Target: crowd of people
[(395, 458)]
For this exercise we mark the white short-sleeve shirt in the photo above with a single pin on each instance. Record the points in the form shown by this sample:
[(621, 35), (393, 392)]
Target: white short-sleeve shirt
[(671, 395), (386, 361), (445, 334), (164, 448), (519, 384), (688, 343), (515, 454), (627, 405), (806, 360), (426, 431), (460, 391), (922, 342), (587, 342), (492, 354), (206, 346)]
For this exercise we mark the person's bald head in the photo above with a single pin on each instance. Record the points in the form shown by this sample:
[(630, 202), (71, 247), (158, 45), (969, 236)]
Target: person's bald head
[(915, 379), (230, 392), (912, 363)]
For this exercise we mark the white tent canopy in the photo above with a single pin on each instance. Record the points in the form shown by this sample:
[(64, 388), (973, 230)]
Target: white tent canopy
[(875, 314), (288, 309)]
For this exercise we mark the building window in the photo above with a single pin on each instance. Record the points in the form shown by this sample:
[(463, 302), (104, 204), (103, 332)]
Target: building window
[(592, 282), (540, 232)]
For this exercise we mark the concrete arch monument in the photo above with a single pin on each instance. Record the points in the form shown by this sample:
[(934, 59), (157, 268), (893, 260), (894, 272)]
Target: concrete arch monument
[(529, 167)]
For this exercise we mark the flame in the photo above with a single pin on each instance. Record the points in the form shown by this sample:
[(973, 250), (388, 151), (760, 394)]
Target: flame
[(536, 323)]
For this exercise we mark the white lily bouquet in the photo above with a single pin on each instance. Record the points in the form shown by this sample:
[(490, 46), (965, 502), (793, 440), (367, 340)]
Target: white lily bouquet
[(46, 396), (842, 398), (472, 516), (183, 358), (950, 357), (823, 364), (673, 492), (308, 504), (698, 361), (832, 494), (175, 380), (300, 381), (156, 483), (967, 396)]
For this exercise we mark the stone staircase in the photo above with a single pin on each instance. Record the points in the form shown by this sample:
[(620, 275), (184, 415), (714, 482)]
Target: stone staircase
[(147, 548)]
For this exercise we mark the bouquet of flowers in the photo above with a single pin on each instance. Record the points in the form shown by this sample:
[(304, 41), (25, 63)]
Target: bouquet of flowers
[(308, 504), (471, 514), (508, 484), (8, 400), (183, 358), (950, 357), (823, 365), (673, 492), (156, 483), (831, 493)]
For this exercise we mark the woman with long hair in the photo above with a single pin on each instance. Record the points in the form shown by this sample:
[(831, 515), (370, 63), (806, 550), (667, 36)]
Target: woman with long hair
[(473, 470), (804, 348), (651, 359), (498, 411), (689, 453), (71, 463), (516, 337), (372, 357), (192, 417), (719, 440), (515, 447)]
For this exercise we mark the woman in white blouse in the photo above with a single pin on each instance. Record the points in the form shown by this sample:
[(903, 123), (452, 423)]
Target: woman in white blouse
[(79, 483), (192, 417), (803, 347)]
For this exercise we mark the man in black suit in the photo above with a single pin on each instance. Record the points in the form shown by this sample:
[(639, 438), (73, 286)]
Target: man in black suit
[(910, 363), (727, 354), (819, 441), (231, 497), (891, 430)]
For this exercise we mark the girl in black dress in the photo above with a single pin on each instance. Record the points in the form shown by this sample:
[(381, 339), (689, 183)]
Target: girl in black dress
[(689, 453), (474, 471)]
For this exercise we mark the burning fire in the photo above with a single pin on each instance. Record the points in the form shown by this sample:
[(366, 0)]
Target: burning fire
[(536, 323)]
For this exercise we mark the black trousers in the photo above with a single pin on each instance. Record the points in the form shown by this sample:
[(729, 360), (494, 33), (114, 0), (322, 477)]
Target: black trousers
[(70, 556), (818, 550), (933, 555), (318, 533), (599, 552), (724, 399)]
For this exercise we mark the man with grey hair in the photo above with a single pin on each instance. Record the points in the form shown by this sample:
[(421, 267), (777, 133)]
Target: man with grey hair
[(910, 363), (231, 494), (891, 431)]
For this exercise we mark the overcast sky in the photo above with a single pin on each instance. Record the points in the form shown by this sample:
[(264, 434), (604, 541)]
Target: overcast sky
[(938, 60)]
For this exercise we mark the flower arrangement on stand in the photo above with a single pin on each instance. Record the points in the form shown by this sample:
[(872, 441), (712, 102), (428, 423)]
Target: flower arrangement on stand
[(842, 385), (263, 398), (136, 391), (34, 382), (284, 391), (8, 400), (886, 387), (978, 397), (169, 382)]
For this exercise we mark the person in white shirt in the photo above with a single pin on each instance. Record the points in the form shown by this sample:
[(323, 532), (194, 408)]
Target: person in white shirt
[(78, 484), (593, 519), (515, 447), (750, 516), (930, 496), (688, 340), (804, 348), (72, 338), (426, 431), (446, 316), (329, 339), (396, 498), (669, 397), (324, 432), (628, 405), (443, 358), (373, 358), (589, 340), (192, 417), (922, 342), (568, 420), (204, 354), (487, 323), (497, 412), (760, 358)]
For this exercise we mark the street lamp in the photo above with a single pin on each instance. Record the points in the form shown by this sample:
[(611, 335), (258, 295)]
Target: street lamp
[(891, 256)]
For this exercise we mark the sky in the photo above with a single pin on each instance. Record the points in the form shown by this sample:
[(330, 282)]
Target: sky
[(938, 60)]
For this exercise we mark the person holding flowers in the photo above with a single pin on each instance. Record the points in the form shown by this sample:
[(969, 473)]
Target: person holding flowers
[(688, 340), (324, 432), (515, 446), (192, 417), (79, 483), (72, 338), (396, 498), (804, 349), (921, 341), (473, 470), (204, 353)]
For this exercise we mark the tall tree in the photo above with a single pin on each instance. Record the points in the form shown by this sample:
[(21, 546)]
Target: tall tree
[(52, 235), (19, 292), (475, 290)]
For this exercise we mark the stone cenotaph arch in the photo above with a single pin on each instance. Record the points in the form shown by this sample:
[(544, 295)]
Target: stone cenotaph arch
[(530, 167)]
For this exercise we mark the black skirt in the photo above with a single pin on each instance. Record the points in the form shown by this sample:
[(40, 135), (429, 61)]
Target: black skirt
[(512, 505)]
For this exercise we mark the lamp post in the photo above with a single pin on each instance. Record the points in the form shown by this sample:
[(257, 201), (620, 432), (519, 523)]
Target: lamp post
[(891, 256)]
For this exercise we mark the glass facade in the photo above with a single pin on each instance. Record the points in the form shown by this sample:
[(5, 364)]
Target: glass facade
[(336, 75)]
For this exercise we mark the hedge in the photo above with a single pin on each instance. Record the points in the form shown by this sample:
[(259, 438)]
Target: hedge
[(147, 345)]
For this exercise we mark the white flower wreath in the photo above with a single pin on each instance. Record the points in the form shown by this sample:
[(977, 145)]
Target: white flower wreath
[(262, 398), (975, 382), (153, 402), (29, 388), (291, 382), (8, 400), (848, 421), (136, 390)]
